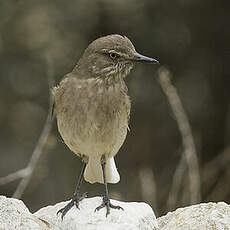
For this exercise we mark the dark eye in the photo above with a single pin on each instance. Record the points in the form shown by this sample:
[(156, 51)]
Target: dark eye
[(113, 55)]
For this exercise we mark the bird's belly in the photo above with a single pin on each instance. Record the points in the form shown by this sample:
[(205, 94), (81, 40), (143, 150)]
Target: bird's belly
[(94, 128)]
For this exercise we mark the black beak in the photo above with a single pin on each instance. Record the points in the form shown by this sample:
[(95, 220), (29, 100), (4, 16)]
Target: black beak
[(141, 58)]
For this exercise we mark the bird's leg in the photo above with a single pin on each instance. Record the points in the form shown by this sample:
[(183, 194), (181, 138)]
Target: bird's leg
[(77, 197), (106, 201)]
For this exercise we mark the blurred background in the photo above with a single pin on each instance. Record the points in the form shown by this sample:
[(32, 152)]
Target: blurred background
[(189, 37)]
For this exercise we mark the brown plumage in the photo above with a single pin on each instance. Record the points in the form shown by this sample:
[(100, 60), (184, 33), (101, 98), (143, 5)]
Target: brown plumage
[(92, 109)]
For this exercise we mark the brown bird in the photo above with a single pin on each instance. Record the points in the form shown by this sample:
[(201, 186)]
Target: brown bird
[(92, 109)]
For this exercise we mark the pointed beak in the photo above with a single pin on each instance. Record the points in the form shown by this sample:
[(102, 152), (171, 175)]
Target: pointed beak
[(141, 58)]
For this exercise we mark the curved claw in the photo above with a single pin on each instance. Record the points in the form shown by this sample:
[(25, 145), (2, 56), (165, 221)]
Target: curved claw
[(75, 201), (83, 196), (116, 207), (99, 207), (64, 210), (106, 203)]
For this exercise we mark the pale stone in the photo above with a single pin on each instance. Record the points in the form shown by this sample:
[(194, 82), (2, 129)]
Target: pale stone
[(14, 215), (136, 216), (205, 216)]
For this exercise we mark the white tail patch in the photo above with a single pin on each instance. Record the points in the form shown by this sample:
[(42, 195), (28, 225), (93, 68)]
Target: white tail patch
[(93, 172)]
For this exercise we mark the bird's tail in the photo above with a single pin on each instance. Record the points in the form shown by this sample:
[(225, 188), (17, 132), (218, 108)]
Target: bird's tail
[(93, 172)]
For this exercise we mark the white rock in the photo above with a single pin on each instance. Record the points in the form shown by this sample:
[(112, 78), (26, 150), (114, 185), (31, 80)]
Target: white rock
[(14, 215), (214, 216), (136, 216)]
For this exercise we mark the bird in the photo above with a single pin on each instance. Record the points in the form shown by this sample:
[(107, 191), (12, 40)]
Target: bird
[(92, 108)]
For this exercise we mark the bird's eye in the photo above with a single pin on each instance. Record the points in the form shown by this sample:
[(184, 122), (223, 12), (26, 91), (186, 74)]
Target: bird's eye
[(113, 55)]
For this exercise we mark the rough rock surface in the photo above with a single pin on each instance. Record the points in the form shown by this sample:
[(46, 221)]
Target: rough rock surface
[(136, 216), (205, 216), (14, 215)]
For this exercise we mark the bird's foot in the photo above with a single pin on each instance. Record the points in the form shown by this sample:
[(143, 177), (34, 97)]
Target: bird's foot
[(75, 201), (106, 203)]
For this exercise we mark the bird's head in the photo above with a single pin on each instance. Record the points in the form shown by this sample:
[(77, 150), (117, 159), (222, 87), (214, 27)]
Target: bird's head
[(110, 56)]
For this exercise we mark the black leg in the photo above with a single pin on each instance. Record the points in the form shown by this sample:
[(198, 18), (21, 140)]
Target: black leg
[(106, 201), (77, 197)]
